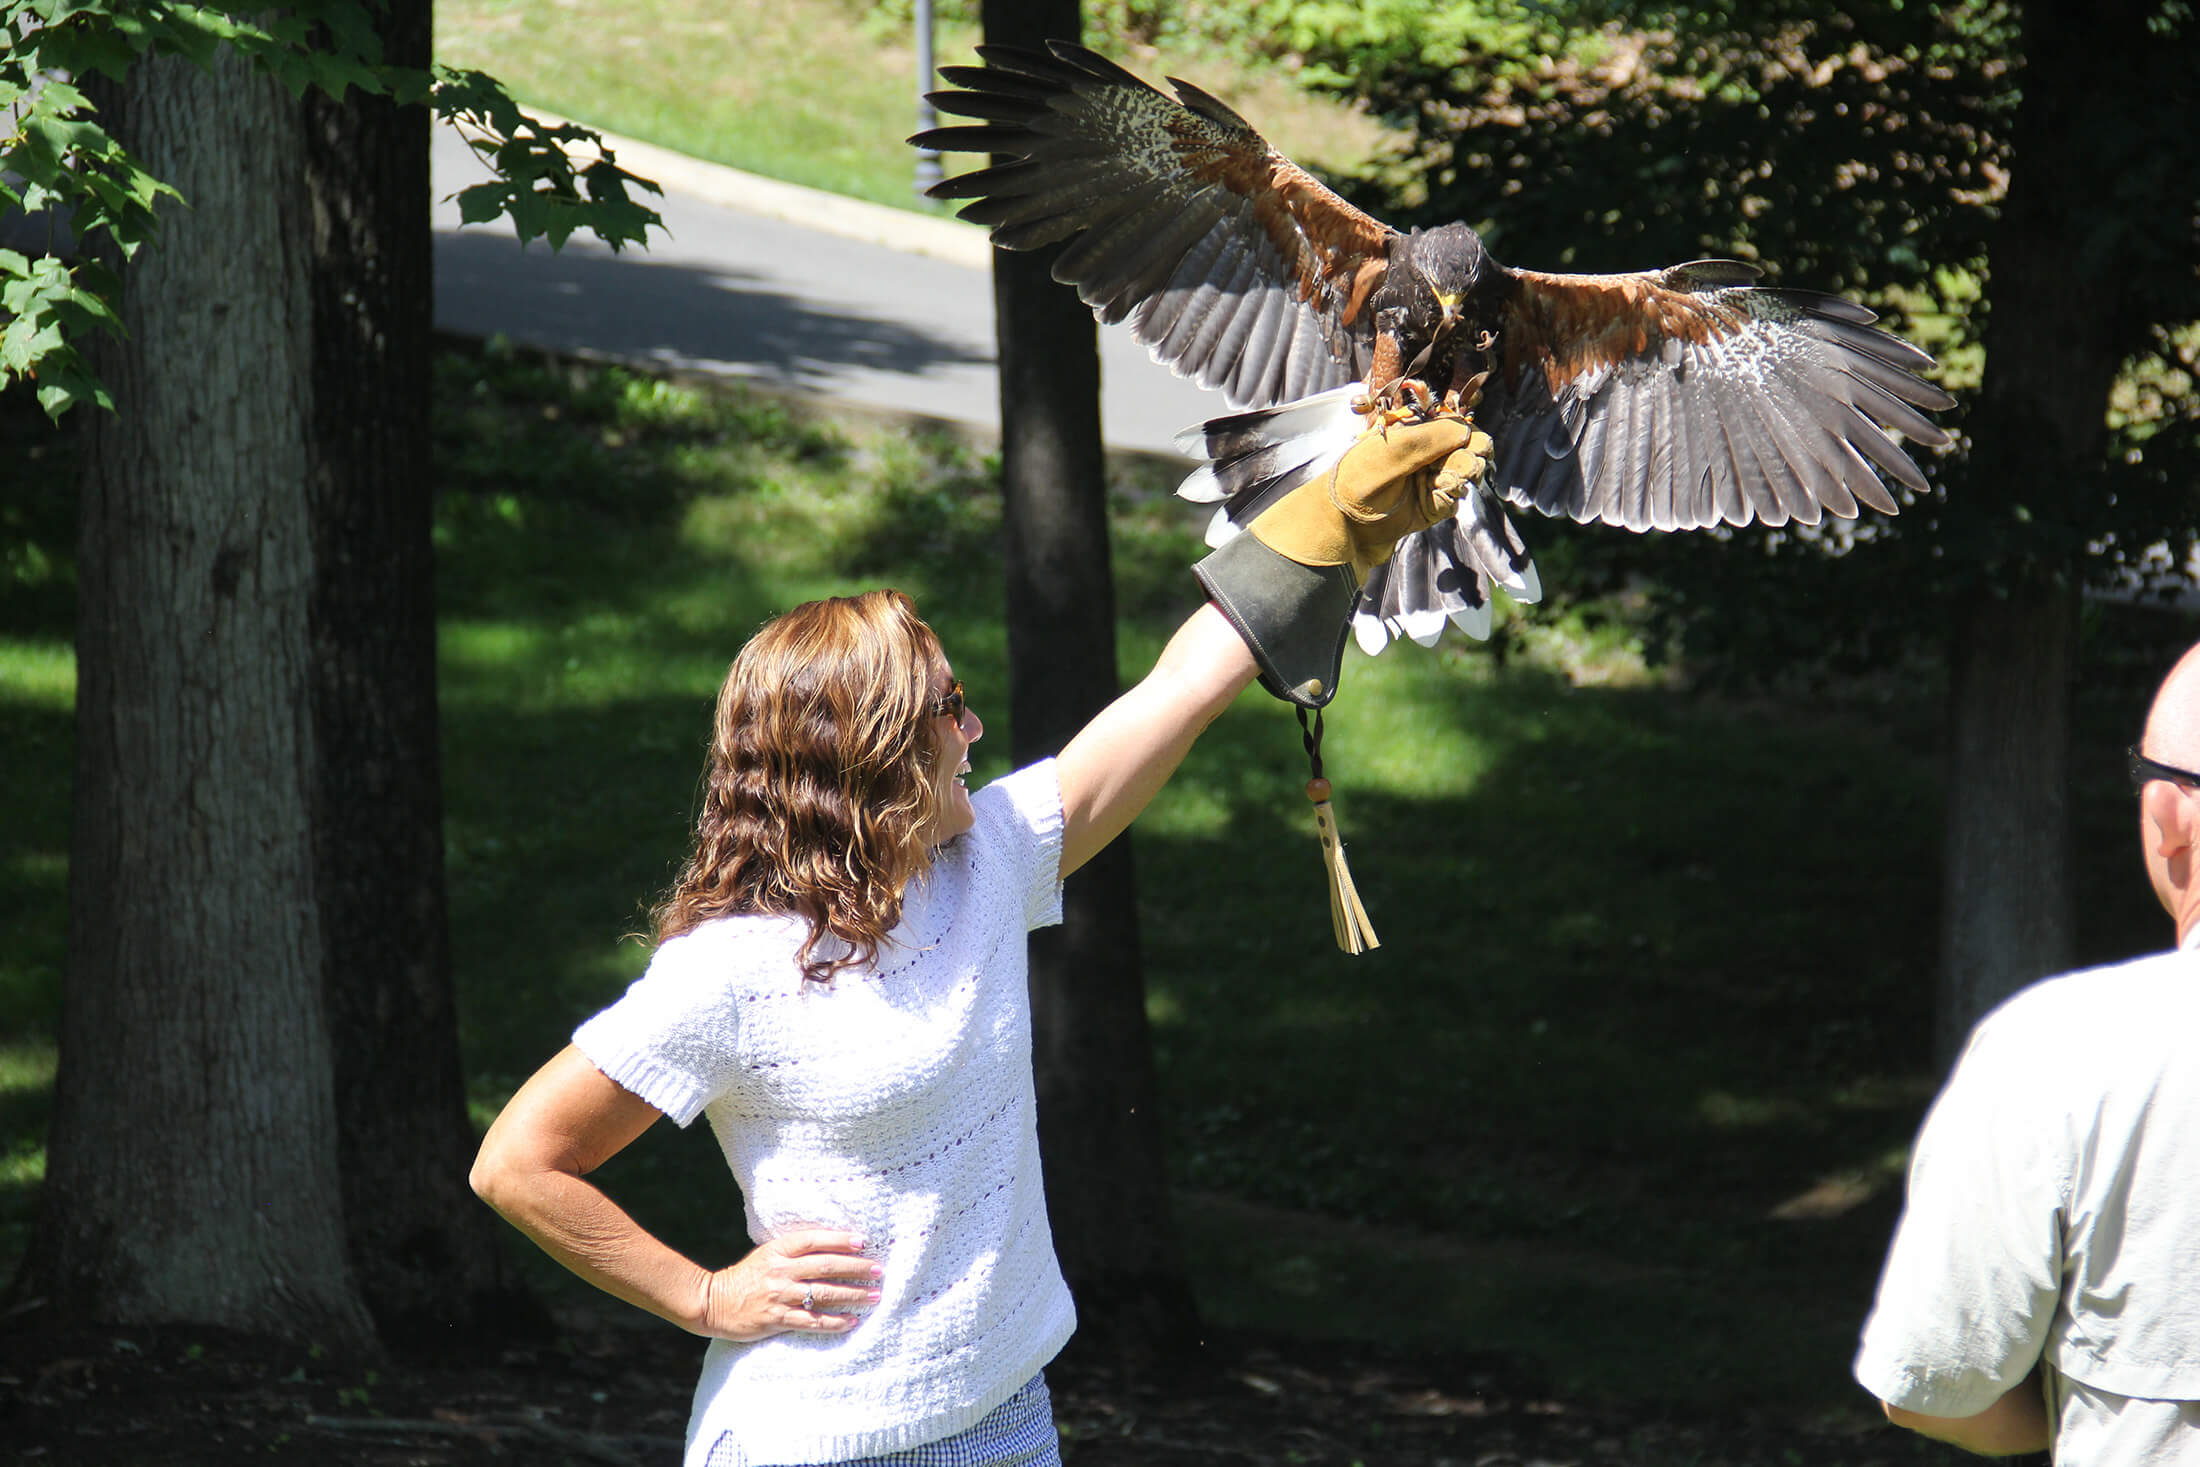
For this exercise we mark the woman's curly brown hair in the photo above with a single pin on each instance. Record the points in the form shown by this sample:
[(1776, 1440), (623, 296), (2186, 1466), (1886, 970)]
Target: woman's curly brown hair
[(818, 796)]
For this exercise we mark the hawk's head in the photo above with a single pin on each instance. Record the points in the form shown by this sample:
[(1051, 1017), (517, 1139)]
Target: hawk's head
[(1447, 264)]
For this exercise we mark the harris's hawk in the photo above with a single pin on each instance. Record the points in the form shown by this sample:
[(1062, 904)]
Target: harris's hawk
[(1669, 399)]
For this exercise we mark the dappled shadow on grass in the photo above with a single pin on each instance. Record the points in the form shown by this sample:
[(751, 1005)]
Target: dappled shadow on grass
[(1653, 1003), (1629, 893), (1623, 1083), (1657, 971), (37, 518), (26, 1102), (35, 749), (514, 421)]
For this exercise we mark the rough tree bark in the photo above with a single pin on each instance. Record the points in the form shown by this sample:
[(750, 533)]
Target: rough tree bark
[(1106, 1193), (192, 1168), (428, 1259), (2006, 916), (2062, 277)]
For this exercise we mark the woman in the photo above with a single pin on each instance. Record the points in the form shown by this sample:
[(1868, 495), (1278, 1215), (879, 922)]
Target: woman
[(839, 985)]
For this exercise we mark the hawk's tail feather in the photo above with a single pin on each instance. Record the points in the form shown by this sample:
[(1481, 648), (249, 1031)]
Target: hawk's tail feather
[(1438, 576), (1257, 457), (1444, 574), (1322, 415)]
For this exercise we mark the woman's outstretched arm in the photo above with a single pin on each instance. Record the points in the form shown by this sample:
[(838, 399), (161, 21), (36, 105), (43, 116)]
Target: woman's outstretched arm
[(1121, 759)]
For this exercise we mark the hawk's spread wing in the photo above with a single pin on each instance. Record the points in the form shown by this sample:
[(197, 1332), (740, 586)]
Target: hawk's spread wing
[(1680, 398), (1670, 399), (1230, 262)]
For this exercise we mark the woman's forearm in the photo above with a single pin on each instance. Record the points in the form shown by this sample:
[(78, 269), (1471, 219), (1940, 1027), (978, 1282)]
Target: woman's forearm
[(567, 1120), (533, 1169), (571, 1219), (1120, 760)]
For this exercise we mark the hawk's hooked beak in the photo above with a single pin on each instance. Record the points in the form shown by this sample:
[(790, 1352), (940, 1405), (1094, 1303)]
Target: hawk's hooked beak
[(1449, 300)]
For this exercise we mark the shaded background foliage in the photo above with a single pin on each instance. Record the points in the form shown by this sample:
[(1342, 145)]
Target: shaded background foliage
[(1865, 149)]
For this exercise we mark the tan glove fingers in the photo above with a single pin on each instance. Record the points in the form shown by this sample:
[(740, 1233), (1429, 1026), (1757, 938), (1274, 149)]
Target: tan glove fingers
[(1464, 465), (1422, 500), (1367, 483), (1382, 489)]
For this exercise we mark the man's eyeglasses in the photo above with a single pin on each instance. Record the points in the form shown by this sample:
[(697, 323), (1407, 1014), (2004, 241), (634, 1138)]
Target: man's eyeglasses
[(950, 705), (2144, 769)]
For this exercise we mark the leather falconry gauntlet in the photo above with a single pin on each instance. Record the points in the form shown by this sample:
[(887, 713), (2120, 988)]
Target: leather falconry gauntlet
[(1288, 584)]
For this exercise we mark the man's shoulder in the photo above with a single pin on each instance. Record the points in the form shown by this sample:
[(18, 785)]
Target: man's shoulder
[(2172, 976), (2156, 993)]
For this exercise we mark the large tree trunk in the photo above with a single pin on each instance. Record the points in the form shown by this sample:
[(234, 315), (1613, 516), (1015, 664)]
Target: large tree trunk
[(192, 1170), (2061, 273), (429, 1262), (1106, 1193)]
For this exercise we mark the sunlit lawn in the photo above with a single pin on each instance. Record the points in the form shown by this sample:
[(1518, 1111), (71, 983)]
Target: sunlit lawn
[(816, 92), (1624, 1093)]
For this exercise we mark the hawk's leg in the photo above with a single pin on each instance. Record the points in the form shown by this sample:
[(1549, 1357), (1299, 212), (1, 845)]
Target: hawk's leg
[(1391, 396), (1465, 391), (1404, 400), (1417, 392), (1385, 370)]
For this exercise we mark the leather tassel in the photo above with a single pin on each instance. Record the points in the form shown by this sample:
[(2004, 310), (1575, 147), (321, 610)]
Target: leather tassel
[(1347, 918), (1355, 934)]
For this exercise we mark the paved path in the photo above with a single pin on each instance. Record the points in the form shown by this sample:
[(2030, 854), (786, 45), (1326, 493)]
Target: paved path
[(760, 279)]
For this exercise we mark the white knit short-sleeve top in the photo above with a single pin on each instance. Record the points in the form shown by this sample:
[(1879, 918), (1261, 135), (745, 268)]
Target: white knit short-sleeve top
[(895, 1102)]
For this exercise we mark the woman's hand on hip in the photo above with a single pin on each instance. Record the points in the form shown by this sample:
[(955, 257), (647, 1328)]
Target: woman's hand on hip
[(807, 1282)]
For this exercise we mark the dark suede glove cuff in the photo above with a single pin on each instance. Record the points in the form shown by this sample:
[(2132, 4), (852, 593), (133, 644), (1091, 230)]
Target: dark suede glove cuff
[(1294, 617)]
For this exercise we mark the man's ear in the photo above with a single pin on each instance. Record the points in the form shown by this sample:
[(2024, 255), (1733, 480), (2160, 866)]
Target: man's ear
[(2171, 817)]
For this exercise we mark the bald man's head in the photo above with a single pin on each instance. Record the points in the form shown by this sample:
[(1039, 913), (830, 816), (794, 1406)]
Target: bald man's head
[(2173, 723), (2169, 810)]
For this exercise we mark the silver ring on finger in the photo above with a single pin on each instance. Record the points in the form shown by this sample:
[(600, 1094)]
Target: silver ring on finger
[(809, 1299)]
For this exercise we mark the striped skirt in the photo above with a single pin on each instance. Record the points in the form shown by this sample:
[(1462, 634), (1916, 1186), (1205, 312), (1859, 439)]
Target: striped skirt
[(1017, 1433)]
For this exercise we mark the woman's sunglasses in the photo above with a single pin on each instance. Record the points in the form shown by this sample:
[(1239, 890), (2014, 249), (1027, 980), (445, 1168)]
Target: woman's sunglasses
[(950, 704)]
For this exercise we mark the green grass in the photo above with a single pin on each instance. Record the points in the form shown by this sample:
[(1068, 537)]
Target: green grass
[(815, 92), (1624, 1094)]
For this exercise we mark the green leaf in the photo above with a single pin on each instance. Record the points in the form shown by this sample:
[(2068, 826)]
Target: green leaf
[(93, 276), (21, 295), (114, 195), (476, 97), (546, 196), (70, 387), (89, 311), (333, 73), (481, 203), (26, 339), (80, 50), (182, 30), (408, 86), (58, 95), (351, 32), (60, 136)]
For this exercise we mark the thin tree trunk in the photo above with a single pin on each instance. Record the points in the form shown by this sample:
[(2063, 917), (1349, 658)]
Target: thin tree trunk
[(1107, 1196), (428, 1260), (2060, 269), (192, 1171), (2007, 917)]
